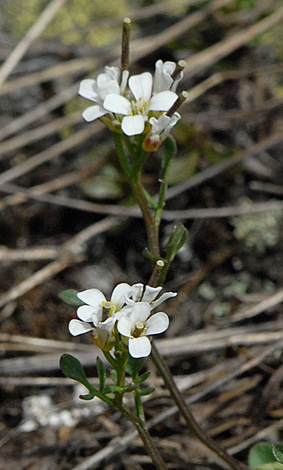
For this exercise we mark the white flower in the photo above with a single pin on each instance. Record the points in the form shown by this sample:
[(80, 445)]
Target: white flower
[(97, 90), (103, 335), (138, 325), (96, 304), (163, 125), (136, 111), (160, 129), (163, 76), (141, 293)]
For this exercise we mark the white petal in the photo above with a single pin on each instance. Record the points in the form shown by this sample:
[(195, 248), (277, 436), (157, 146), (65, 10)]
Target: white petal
[(157, 323), (137, 290), (162, 77), (106, 86), (163, 297), (103, 334), (140, 312), (77, 327), (125, 326), (168, 67), (118, 296), (130, 303), (150, 293), (85, 312), (173, 121), (117, 104), (141, 86), (177, 80), (133, 125), (93, 112), (93, 297), (126, 311), (124, 81), (162, 101), (86, 89), (159, 124), (139, 347), (107, 325), (112, 72)]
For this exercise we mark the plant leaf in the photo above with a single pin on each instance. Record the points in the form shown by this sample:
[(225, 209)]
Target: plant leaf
[(134, 366), (270, 466), (72, 368), (113, 389), (261, 454), (147, 391), (169, 152), (277, 451), (142, 378), (70, 297), (101, 374), (176, 241)]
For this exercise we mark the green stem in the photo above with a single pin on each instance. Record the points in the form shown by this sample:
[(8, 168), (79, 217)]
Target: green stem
[(158, 278), (159, 274), (152, 223), (161, 202), (151, 228), (139, 406), (110, 359), (122, 156)]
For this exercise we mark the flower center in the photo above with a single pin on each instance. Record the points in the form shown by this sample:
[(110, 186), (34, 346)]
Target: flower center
[(138, 330), (108, 305), (139, 107)]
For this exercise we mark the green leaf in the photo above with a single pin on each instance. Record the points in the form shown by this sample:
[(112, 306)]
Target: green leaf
[(169, 152), (270, 466), (142, 378), (176, 241), (101, 374), (70, 297), (102, 187), (134, 366), (182, 168), (113, 389), (277, 451), (89, 396), (261, 454), (113, 375), (72, 368), (150, 200), (147, 391)]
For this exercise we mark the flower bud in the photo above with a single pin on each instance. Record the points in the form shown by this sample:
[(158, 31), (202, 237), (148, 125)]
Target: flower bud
[(151, 143)]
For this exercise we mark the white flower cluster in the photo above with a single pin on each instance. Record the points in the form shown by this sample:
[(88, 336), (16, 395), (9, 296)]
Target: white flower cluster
[(135, 104), (130, 309)]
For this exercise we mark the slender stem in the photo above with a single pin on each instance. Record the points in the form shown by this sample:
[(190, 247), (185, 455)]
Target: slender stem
[(151, 228), (125, 44), (139, 406), (122, 156), (159, 274), (146, 438), (160, 364), (110, 358), (161, 202)]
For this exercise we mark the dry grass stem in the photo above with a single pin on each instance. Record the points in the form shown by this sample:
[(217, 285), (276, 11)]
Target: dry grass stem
[(33, 33)]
